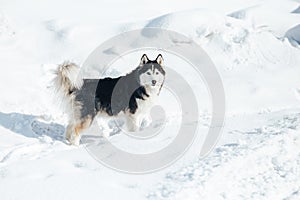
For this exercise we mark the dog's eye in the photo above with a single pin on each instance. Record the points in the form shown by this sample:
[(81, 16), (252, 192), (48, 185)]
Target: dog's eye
[(148, 73), (156, 73)]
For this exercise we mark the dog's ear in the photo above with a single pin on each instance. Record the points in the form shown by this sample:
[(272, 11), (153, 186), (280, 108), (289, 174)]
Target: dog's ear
[(144, 59), (160, 59)]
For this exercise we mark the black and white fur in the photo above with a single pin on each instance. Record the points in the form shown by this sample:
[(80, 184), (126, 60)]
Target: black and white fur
[(132, 95)]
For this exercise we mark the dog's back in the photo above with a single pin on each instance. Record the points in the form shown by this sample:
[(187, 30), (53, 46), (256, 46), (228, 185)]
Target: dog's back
[(114, 95), (85, 97)]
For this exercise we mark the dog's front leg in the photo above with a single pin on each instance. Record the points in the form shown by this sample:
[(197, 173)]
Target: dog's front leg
[(133, 122), (146, 121)]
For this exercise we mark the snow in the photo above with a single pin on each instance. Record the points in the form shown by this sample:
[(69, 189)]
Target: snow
[(293, 35), (261, 163), (255, 47), (297, 10)]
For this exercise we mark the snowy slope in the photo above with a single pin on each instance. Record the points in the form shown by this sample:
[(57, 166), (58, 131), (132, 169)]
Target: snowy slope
[(258, 156), (256, 163)]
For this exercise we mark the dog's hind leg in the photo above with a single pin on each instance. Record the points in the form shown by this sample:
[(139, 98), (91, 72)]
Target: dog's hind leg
[(69, 132), (73, 133)]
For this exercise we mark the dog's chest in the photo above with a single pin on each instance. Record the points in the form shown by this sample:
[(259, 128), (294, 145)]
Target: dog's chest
[(146, 104)]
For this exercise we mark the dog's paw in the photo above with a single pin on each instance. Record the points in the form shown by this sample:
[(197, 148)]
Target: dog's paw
[(74, 140), (146, 121), (106, 133), (133, 129)]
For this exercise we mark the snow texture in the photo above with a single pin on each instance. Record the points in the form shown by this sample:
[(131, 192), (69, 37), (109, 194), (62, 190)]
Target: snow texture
[(255, 47)]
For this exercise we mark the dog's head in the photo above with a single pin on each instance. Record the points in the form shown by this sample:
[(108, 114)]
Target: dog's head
[(151, 72)]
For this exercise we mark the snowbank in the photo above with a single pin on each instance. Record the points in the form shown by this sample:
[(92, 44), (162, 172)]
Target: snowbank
[(293, 35), (258, 156)]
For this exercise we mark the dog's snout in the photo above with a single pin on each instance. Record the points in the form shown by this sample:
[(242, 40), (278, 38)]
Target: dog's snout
[(153, 82)]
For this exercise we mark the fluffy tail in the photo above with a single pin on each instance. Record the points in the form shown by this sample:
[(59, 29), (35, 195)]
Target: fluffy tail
[(67, 78)]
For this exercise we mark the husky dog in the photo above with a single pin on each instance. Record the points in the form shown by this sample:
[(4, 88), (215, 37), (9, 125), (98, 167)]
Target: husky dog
[(132, 95)]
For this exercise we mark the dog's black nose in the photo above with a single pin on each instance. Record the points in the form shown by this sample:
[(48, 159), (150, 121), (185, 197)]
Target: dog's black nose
[(153, 82)]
